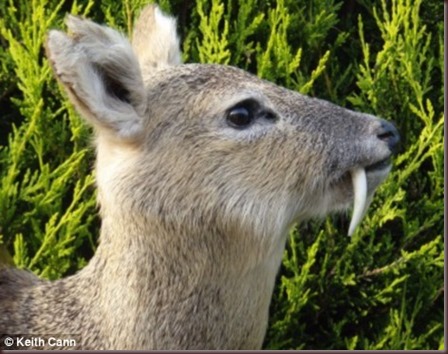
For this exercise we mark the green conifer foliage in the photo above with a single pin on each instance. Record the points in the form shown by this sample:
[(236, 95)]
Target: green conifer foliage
[(380, 289)]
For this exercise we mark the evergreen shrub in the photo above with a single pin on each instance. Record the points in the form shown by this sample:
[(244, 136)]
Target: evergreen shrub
[(380, 289)]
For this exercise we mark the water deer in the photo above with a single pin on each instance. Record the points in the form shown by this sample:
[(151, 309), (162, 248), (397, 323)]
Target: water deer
[(201, 170)]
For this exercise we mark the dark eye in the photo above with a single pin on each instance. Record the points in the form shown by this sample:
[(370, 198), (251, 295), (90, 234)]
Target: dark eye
[(240, 117)]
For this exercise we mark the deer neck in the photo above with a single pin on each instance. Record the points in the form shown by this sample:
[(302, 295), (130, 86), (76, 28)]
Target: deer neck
[(165, 291)]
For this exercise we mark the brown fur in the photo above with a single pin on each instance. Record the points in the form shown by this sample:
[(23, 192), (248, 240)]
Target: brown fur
[(195, 212)]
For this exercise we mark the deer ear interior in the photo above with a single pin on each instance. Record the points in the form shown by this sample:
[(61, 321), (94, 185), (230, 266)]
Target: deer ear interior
[(114, 87)]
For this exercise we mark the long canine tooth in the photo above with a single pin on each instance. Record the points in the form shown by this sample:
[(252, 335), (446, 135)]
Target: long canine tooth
[(359, 181)]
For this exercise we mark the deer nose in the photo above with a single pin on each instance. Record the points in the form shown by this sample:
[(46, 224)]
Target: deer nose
[(389, 134)]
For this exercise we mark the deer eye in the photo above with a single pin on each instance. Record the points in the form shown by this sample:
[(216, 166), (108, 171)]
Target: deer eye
[(240, 117)]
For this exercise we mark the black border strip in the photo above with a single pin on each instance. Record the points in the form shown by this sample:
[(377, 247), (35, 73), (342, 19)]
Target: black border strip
[(445, 159)]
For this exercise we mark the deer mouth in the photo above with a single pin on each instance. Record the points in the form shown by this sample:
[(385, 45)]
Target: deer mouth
[(361, 199), (378, 166)]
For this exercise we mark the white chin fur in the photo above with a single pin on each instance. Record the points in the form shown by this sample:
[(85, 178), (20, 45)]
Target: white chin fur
[(359, 181)]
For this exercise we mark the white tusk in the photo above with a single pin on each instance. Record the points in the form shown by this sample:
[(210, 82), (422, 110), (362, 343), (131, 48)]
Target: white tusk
[(359, 181)]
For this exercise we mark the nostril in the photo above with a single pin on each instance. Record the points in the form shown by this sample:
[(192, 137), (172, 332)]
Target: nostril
[(389, 134), (386, 136)]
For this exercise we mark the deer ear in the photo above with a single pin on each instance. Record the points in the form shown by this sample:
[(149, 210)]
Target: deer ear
[(99, 70), (155, 40)]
